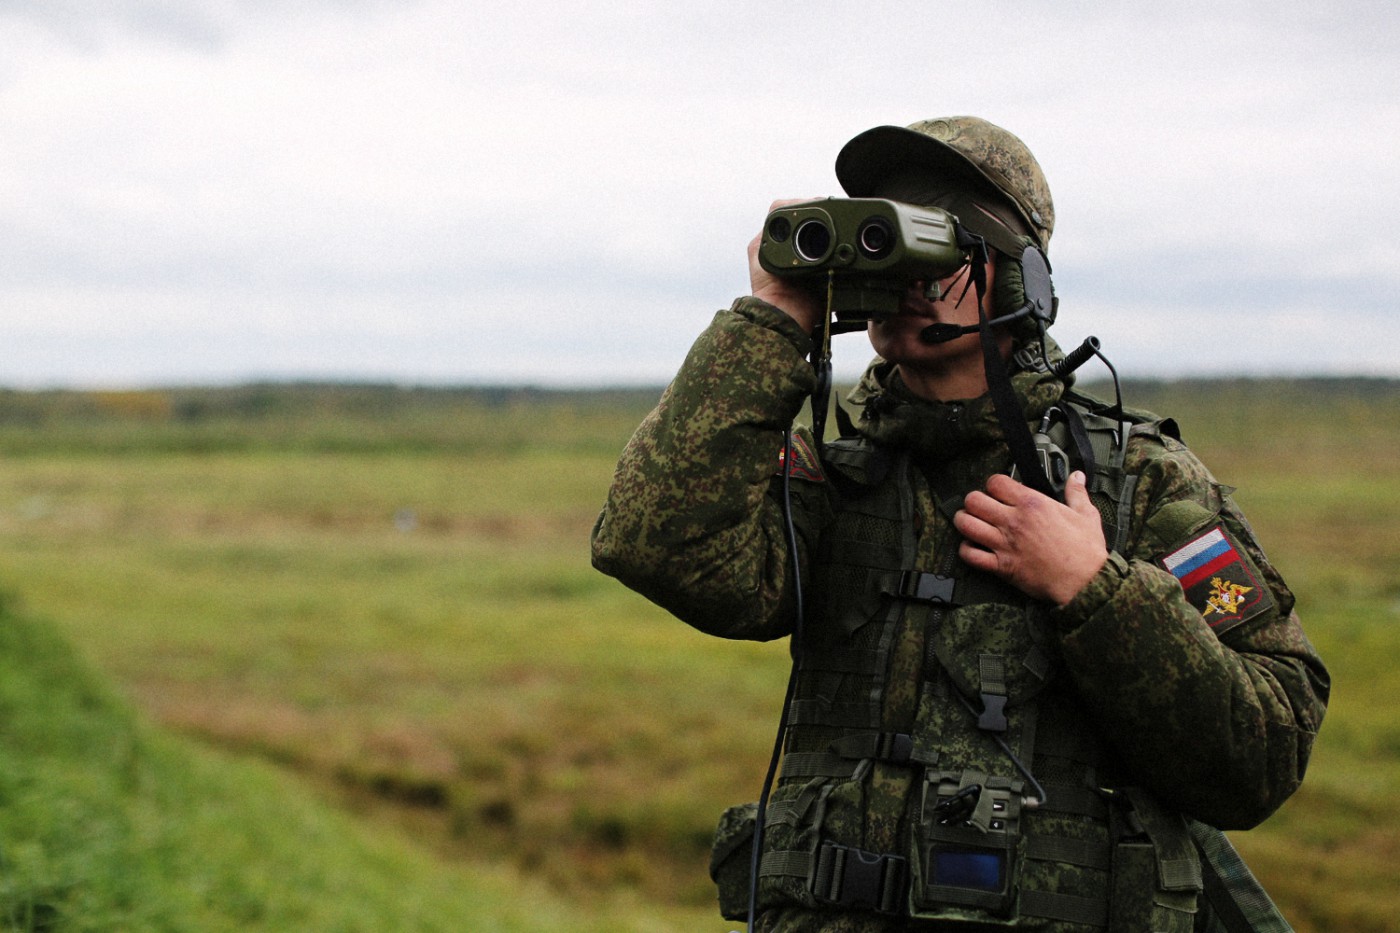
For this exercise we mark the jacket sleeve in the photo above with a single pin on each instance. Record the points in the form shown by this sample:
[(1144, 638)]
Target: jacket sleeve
[(1207, 687), (691, 520)]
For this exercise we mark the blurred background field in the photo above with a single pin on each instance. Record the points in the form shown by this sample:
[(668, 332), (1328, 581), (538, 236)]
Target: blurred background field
[(333, 658)]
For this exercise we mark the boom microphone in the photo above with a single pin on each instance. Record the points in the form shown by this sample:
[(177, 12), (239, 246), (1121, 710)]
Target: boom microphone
[(942, 333)]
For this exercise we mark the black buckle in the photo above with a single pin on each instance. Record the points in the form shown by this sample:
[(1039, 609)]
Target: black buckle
[(993, 715), (896, 747), (862, 880), (928, 587)]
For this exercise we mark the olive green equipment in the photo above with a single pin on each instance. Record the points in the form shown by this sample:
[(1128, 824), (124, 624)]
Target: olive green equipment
[(867, 251), (966, 859)]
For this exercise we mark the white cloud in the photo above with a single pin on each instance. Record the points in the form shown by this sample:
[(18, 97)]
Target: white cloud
[(465, 191)]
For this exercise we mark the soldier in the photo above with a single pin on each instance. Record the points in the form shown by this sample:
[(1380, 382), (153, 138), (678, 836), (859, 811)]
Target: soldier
[(1008, 710)]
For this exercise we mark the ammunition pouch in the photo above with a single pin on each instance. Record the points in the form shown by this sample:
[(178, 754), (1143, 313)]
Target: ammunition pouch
[(824, 875), (731, 858)]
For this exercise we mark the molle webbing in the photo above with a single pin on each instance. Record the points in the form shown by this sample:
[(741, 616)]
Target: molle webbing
[(844, 756), (1082, 852), (865, 590), (1068, 908)]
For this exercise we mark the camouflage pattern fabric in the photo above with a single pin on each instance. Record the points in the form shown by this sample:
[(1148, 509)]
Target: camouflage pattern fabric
[(1216, 722), (949, 146)]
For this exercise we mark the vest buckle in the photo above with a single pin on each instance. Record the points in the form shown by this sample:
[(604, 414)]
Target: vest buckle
[(927, 587), (854, 878)]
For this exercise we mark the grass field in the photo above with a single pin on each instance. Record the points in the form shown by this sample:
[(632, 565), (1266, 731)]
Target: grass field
[(383, 598)]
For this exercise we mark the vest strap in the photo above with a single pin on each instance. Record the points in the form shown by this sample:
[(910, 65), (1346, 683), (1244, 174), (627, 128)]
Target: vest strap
[(991, 669), (1125, 512), (1178, 864), (1081, 852), (1075, 801), (818, 764), (1239, 901), (855, 715), (893, 747), (786, 812), (1068, 908), (792, 863), (939, 590), (843, 756)]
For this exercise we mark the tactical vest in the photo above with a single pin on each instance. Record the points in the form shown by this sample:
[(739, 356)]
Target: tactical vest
[(992, 803)]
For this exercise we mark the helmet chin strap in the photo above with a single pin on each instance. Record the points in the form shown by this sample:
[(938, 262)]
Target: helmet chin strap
[(1011, 417)]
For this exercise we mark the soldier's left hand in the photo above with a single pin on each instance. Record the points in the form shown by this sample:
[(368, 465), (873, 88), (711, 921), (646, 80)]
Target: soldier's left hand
[(1047, 549)]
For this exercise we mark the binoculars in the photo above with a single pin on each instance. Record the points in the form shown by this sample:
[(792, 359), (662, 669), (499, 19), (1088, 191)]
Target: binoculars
[(870, 248)]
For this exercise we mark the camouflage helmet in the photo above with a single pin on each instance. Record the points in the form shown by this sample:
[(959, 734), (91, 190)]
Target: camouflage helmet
[(952, 144)]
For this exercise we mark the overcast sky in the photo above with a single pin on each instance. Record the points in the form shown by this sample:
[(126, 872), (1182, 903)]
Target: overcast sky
[(425, 191)]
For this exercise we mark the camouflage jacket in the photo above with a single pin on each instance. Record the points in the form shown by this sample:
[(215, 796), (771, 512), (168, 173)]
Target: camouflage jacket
[(1217, 722)]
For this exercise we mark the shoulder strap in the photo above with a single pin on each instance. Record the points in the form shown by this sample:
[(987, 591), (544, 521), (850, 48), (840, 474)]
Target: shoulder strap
[(1236, 898), (1097, 444), (1008, 410)]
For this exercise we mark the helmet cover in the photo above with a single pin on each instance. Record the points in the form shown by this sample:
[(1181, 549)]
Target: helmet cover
[(950, 147)]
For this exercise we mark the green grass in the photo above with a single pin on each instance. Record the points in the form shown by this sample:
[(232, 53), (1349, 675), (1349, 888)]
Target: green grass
[(110, 825), (380, 603)]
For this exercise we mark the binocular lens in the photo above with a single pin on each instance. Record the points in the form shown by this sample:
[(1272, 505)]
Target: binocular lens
[(876, 238), (779, 229), (812, 240)]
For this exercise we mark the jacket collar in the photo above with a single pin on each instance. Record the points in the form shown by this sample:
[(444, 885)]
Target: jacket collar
[(940, 431)]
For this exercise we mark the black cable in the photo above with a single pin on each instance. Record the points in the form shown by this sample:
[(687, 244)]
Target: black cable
[(760, 818), (1079, 356), (1040, 797)]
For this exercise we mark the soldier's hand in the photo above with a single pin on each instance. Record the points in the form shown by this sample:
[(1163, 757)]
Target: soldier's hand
[(1046, 549), (801, 302)]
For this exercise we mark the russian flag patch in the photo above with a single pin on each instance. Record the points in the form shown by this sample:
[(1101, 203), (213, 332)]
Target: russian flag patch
[(1218, 580)]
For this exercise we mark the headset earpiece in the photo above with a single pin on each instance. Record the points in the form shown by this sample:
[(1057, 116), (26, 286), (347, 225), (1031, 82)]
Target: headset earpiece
[(1024, 279), (1039, 289), (1008, 286)]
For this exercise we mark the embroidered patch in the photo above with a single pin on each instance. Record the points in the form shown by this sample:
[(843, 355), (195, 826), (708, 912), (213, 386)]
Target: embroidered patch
[(1218, 580), (804, 463)]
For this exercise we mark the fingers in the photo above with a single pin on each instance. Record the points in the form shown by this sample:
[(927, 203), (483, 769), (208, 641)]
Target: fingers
[(1010, 491), (979, 530), (1077, 495), (979, 559), (996, 525), (983, 541), (1046, 548)]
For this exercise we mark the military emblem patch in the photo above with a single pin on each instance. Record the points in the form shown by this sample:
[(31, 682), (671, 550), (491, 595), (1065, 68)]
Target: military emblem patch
[(804, 465), (1218, 580)]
